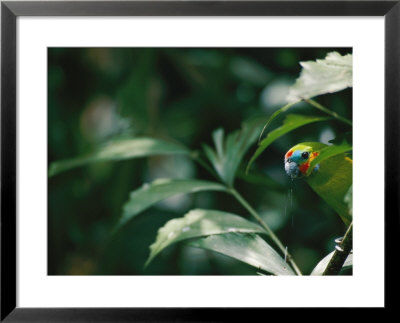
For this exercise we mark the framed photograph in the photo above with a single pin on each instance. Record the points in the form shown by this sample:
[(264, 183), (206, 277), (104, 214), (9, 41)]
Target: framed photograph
[(162, 159)]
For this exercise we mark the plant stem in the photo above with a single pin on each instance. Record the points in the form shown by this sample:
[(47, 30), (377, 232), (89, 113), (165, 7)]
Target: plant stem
[(326, 110), (274, 238), (195, 155), (339, 257), (274, 115)]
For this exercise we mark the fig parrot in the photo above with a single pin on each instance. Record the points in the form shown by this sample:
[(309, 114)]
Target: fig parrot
[(331, 179)]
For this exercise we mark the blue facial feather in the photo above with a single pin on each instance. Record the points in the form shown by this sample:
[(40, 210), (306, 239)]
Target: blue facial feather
[(296, 157), (292, 163)]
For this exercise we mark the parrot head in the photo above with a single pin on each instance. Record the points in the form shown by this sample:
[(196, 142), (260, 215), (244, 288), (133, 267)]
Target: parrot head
[(298, 159)]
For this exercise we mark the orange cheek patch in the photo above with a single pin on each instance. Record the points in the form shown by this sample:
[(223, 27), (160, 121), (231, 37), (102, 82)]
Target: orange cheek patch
[(313, 155)]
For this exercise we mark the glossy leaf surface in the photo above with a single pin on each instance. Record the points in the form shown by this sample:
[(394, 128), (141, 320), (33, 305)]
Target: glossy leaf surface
[(248, 248), (200, 223), (119, 150), (332, 74), (149, 194)]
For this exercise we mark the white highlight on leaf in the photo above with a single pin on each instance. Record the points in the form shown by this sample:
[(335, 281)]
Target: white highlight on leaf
[(332, 74)]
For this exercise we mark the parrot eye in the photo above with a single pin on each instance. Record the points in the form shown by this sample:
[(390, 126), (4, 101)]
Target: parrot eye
[(305, 155)]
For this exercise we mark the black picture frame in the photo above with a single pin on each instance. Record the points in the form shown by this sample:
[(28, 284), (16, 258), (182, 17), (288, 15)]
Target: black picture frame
[(10, 11)]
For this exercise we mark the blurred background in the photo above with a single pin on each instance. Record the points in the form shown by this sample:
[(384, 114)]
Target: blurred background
[(181, 95)]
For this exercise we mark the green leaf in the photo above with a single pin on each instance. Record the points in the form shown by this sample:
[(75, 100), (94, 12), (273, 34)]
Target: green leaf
[(334, 176), (119, 150), (321, 266), (274, 115), (199, 223), (328, 152), (257, 177), (292, 122), (229, 152), (149, 194), (348, 199), (248, 248), (342, 137), (332, 74)]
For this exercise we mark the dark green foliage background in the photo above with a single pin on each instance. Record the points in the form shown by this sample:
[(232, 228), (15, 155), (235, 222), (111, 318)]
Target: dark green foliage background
[(180, 95)]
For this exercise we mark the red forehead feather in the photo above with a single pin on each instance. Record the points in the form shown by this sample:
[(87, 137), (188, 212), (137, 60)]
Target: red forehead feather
[(289, 153)]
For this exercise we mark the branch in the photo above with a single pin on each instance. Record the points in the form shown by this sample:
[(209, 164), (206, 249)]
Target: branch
[(339, 257), (332, 113), (272, 235)]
